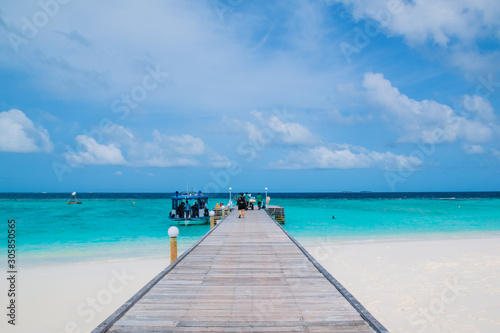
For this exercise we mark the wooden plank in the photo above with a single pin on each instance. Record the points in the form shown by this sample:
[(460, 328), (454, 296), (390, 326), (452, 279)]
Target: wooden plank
[(246, 275)]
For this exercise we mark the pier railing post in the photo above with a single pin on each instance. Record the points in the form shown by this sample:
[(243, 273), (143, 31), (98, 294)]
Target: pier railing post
[(223, 208), (212, 214), (173, 232)]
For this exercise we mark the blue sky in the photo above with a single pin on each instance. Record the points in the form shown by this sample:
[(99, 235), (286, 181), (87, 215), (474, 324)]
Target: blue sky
[(324, 95)]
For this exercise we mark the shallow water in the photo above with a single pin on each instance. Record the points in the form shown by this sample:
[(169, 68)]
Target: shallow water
[(112, 226)]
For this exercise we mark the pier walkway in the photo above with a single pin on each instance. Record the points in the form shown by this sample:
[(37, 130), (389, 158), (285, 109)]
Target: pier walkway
[(246, 275)]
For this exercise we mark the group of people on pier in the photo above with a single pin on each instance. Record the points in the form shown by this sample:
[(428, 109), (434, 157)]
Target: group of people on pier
[(243, 202)]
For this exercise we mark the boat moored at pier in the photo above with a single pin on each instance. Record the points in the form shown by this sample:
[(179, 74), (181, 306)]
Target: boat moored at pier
[(189, 208)]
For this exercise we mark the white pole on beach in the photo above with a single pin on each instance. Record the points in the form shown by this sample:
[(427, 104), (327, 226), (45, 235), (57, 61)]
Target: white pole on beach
[(229, 203), (266, 198), (173, 232), (212, 214)]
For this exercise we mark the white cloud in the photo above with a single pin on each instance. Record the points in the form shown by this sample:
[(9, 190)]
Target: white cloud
[(69, 57), (291, 133), (273, 128), (122, 147), (439, 21), (457, 26), (473, 149), (472, 61), (480, 106), (120, 133), (19, 134), (91, 152), (168, 151), (345, 157), (424, 121), (181, 144)]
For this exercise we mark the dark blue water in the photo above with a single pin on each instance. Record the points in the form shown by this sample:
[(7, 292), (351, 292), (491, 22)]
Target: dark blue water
[(316, 195)]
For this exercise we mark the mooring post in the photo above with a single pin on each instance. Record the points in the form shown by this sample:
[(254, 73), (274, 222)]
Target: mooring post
[(212, 214), (173, 232), (223, 211)]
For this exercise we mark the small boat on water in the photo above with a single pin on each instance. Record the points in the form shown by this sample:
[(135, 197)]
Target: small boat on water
[(189, 208), (73, 199)]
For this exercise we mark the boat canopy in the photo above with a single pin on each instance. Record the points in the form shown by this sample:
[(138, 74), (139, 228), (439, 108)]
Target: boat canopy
[(189, 196), (199, 197), (189, 205)]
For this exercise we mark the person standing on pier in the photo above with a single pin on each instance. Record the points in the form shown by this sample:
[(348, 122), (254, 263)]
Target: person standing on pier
[(247, 199), (242, 205), (259, 200)]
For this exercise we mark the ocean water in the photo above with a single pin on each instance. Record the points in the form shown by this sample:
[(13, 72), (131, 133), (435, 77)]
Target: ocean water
[(123, 225)]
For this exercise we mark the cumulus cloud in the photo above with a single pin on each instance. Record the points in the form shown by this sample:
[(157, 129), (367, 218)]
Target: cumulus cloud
[(291, 133), (180, 144), (122, 147), (438, 20), (274, 128), (168, 150), (18, 134), (480, 107), (457, 26), (174, 151), (91, 152), (425, 121), (345, 157)]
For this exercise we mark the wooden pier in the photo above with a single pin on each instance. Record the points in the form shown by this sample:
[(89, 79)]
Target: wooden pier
[(245, 275), (277, 213)]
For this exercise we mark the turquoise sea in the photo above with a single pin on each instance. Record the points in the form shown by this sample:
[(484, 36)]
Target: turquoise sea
[(123, 225)]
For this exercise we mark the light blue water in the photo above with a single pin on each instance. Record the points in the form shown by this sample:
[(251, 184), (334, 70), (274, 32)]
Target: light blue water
[(390, 218), (51, 231)]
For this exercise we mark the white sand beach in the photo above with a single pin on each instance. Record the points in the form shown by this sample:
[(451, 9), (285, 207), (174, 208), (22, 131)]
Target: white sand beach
[(75, 298), (421, 286), (409, 286)]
